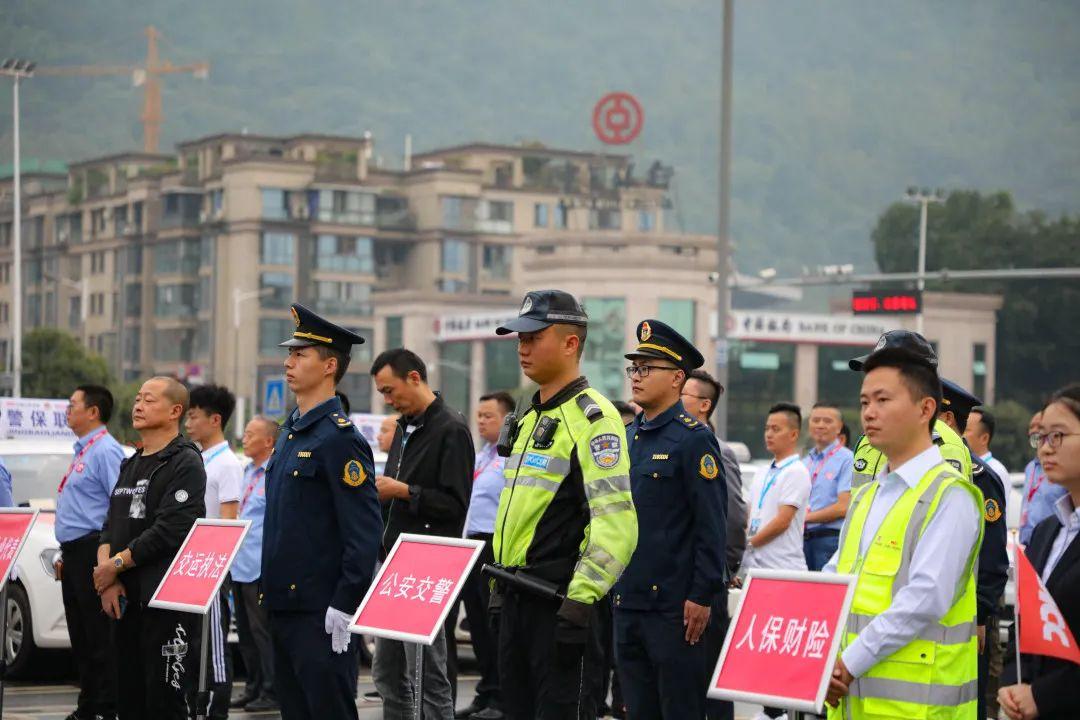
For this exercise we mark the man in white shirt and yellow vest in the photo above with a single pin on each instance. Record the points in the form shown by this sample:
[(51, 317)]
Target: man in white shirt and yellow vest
[(911, 537)]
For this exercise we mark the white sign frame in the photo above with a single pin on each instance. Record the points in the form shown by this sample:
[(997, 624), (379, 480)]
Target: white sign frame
[(203, 609), (452, 598), (787, 703), (22, 542)]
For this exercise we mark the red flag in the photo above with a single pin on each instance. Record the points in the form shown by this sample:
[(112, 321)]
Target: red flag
[(1042, 627)]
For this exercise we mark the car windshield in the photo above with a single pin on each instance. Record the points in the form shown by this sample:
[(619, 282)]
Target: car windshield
[(36, 476)]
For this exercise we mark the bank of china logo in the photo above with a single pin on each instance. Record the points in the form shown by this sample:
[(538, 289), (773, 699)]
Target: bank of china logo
[(992, 510), (708, 467), (354, 474), (526, 306), (860, 464), (646, 331), (295, 317), (606, 450)]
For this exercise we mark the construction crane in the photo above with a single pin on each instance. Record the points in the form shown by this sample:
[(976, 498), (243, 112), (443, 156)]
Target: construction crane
[(147, 75)]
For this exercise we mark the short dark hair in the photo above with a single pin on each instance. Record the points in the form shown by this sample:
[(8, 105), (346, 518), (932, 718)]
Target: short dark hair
[(714, 390), (346, 406), (790, 409), (98, 396), (401, 362), (920, 380), (214, 399), (846, 432), (504, 399), (342, 358), (623, 408), (582, 332), (987, 420)]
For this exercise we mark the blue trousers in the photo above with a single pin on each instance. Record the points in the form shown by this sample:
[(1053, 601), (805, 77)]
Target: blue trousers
[(312, 681), (819, 549), (662, 676)]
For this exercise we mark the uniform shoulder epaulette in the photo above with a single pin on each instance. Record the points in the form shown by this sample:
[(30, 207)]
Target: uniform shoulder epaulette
[(688, 421), (342, 421), (590, 407), (977, 469)]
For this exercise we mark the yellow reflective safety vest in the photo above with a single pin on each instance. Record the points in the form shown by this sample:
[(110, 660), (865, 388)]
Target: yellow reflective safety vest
[(566, 513), (935, 676), (869, 461)]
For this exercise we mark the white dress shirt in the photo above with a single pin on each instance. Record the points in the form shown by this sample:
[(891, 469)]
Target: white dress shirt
[(1069, 517), (937, 567)]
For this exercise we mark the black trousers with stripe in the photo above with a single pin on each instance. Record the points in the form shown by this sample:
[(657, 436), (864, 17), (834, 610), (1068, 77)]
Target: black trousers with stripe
[(219, 670)]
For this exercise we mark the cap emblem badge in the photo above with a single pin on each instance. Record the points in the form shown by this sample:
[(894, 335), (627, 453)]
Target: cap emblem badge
[(646, 331), (526, 306), (295, 317)]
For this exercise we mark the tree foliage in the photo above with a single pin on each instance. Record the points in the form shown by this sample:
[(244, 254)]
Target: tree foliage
[(1036, 331), (54, 363)]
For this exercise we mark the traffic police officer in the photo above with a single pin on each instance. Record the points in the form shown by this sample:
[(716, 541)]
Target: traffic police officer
[(565, 521), (322, 529), (662, 601), (993, 557)]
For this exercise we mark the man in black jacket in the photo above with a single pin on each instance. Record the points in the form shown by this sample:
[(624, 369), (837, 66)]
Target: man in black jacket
[(158, 497), (429, 470)]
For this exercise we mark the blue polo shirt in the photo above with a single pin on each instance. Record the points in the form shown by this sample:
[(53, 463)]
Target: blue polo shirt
[(487, 486), (1037, 502), (248, 564), (6, 497), (82, 505), (830, 475)]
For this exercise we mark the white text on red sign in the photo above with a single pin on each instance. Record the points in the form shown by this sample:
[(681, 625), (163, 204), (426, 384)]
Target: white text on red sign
[(785, 636), (409, 588)]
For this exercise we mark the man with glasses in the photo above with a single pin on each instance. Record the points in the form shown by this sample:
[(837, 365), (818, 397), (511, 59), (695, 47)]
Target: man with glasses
[(663, 600)]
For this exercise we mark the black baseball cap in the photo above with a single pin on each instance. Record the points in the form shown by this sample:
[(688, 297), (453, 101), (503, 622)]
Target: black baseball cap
[(312, 329), (900, 344), (542, 308)]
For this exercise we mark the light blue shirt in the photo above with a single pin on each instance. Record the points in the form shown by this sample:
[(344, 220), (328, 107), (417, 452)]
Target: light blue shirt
[(1069, 517), (84, 502), (830, 475), (248, 564), (1037, 503), (487, 486), (937, 566), (6, 497)]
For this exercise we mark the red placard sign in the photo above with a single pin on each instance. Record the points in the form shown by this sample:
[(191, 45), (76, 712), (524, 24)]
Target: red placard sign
[(617, 118), (15, 524), (200, 566), (416, 587), (782, 643)]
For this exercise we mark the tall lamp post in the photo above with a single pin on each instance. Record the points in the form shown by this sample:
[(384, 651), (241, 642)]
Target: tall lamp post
[(923, 197), (16, 70), (723, 239)]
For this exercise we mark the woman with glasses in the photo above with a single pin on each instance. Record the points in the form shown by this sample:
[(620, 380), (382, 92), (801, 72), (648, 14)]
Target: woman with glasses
[(1050, 687)]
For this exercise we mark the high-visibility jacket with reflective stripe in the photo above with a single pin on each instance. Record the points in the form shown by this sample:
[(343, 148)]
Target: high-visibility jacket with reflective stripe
[(869, 461), (934, 677), (566, 512)]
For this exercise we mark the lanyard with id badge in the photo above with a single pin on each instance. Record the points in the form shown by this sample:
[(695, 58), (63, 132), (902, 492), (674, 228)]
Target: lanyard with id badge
[(770, 479)]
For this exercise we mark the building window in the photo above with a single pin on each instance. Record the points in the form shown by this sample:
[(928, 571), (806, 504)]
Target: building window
[(455, 372), (133, 300), (97, 222), (457, 212), (978, 370), (5, 312), (394, 332), (275, 204), (836, 383), (277, 248), (120, 220), (501, 369), (344, 207), (455, 256), (5, 273), (174, 345), (646, 220), (495, 216), (273, 331), (74, 312), (69, 229), (215, 201), (767, 371), (178, 257), (496, 262), (181, 209), (136, 217), (280, 286), (540, 215), (561, 214), (603, 360), (605, 219), (134, 259), (679, 314), (342, 298), (450, 285), (344, 254), (132, 345), (177, 300), (357, 387)]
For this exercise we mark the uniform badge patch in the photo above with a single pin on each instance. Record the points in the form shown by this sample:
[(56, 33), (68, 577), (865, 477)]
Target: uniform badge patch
[(646, 331), (992, 510), (606, 450), (977, 469), (708, 467), (180, 496), (860, 464), (956, 465), (354, 474)]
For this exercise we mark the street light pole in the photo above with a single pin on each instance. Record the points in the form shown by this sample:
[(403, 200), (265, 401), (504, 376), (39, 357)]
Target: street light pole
[(240, 297), (16, 70), (723, 239), (924, 198)]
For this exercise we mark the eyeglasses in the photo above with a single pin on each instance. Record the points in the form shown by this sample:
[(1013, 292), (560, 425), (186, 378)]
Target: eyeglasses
[(699, 397), (1052, 439), (644, 370)]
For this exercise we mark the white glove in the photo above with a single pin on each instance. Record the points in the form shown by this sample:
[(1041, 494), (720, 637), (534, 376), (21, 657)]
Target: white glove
[(336, 625)]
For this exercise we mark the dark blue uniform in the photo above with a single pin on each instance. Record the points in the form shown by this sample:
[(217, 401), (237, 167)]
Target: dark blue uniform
[(320, 543)]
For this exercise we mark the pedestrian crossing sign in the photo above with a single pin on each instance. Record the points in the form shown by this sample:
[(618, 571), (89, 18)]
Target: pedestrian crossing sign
[(273, 403)]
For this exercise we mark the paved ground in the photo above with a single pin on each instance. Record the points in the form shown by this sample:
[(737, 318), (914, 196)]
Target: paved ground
[(53, 701)]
